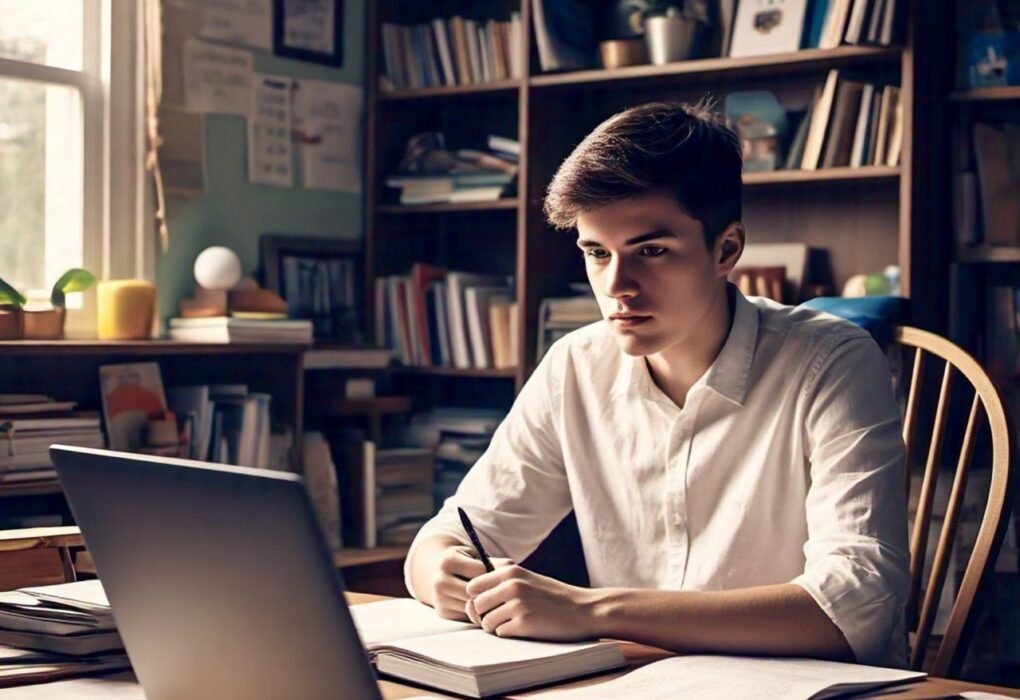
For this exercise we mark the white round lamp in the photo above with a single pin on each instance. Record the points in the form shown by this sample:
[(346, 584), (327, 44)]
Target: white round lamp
[(218, 268)]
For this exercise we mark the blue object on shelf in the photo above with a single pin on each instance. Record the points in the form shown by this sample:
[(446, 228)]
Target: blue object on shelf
[(878, 315), (993, 58)]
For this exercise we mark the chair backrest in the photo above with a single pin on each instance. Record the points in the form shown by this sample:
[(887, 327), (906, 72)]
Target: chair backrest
[(919, 345), (38, 556)]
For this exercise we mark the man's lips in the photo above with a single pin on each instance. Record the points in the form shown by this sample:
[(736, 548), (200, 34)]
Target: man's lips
[(629, 320)]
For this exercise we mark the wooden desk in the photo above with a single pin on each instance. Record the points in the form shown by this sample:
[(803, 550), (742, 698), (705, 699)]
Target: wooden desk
[(639, 655)]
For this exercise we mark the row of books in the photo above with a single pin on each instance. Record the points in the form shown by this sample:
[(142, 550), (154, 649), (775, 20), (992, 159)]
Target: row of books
[(558, 316), (435, 317), (30, 423), (849, 123), (474, 176), (325, 291), (452, 51)]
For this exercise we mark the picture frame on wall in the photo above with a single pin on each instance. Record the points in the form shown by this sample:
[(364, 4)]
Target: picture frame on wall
[(321, 279), (309, 30)]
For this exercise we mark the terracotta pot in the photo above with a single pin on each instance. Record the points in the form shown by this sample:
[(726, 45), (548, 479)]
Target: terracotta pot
[(43, 325), (10, 322), (617, 53)]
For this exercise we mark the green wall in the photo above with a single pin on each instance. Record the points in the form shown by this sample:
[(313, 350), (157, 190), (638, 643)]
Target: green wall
[(234, 212)]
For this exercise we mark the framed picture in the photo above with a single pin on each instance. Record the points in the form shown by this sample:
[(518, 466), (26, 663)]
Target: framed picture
[(321, 279), (309, 30)]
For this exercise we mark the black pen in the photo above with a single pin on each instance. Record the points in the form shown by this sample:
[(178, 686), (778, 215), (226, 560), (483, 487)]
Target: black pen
[(470, 530)]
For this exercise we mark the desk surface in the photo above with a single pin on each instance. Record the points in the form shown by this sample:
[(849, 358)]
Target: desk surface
[(638, 655)]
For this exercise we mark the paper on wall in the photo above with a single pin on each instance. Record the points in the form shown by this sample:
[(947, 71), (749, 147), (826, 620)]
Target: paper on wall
[(269, 151), (327, 125), (309, 24), (244, 22), (216, 79)]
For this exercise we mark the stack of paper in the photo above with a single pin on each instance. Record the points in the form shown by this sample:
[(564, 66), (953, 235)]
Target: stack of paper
[(69, 618), (18, 666)]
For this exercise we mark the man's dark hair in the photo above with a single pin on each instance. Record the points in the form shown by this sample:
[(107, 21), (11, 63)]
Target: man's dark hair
[(668, 147)]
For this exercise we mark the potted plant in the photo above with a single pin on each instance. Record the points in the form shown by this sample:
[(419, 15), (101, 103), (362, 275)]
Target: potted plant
[(671, 29), (42, 324)]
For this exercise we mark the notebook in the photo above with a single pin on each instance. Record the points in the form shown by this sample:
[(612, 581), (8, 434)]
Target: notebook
[(408, 640), (739, 677)]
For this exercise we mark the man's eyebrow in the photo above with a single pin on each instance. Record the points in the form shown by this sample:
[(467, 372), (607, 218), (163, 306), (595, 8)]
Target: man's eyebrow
[(650, 236)]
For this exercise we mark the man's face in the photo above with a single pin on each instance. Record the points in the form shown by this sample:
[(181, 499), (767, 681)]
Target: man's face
[(650, 270)]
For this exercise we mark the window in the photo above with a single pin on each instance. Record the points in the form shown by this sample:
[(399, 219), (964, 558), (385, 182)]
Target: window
[(71, 145)]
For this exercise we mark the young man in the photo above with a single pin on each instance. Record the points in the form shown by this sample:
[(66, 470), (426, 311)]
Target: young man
[(735, 465)]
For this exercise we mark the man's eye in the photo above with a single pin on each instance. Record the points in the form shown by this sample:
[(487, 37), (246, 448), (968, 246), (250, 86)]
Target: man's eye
[(652, 251), (597, 253)]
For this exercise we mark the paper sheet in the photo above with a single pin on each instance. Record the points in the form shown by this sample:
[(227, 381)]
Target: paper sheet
[(732, 678), (245, 22), (269, 152), (327, 125), (308, 24), (401, 618), (216, 79)]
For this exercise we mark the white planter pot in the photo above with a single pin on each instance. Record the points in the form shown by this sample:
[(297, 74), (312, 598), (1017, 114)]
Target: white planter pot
[(670, 38)]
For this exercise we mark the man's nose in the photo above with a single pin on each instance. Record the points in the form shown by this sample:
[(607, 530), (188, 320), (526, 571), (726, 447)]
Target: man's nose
[(620, 281)]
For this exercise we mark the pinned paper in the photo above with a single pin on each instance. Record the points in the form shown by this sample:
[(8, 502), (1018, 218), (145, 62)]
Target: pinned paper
[(216, 79), (269, 151), (327, 125)]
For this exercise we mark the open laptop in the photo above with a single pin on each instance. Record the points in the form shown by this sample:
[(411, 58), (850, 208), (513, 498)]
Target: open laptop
[(219, 578)]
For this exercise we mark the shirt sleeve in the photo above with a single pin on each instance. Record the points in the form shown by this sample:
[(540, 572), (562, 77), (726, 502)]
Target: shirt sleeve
[(857, 562), (517, 491)]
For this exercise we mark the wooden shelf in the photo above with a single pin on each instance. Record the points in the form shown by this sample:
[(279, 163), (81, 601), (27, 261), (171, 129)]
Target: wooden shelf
[(348, 557), (861, 174), (808, 60), (43, 487), (143, 347), (455, 372), (1002, 93), (380, 405), (499, 86), (989, 254), (509, 203)]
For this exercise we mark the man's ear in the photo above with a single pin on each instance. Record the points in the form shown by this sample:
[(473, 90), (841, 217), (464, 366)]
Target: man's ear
[(729, 246)]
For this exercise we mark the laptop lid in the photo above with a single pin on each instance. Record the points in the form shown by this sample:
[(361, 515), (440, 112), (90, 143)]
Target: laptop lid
[(218, 576)]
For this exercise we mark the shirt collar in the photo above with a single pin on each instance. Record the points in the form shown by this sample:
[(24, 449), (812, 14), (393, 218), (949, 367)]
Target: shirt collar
[(728, 374)]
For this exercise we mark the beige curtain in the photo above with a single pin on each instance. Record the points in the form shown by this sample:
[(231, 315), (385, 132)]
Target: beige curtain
[(153, 97)]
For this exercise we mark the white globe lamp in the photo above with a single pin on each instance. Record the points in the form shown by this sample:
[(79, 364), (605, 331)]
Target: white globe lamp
[(218, 268)]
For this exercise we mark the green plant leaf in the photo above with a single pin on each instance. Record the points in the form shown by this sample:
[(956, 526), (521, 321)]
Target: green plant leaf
[(10, 295), (74, 280)]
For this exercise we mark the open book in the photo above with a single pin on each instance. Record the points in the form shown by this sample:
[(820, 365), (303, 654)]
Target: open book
[(408, 640), (739, 677)]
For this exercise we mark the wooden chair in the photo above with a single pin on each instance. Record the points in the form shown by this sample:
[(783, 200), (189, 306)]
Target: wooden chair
[(38, 556), (986, 400)]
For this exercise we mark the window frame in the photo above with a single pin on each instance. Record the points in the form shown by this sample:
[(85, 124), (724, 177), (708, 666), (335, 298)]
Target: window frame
[(117, 208)]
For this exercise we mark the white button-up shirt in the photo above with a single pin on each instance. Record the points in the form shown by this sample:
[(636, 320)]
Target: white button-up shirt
[(784, 465)]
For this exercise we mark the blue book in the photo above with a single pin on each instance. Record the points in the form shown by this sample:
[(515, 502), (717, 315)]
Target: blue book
[(815, 24)]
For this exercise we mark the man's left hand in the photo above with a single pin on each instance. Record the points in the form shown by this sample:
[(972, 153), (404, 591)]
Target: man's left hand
[(514, 602)]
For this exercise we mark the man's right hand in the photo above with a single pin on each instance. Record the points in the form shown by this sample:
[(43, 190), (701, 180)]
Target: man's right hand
[(457, 566)]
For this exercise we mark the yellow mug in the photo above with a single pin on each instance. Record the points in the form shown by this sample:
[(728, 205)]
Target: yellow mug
[(126, 309)]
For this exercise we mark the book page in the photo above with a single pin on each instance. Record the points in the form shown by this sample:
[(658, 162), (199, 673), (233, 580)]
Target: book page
[(82, 594), (477, 650), (401, 618), (734, 678)]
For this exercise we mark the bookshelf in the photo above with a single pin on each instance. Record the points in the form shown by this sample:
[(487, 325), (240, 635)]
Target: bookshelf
[(69, 370), (866, 218)]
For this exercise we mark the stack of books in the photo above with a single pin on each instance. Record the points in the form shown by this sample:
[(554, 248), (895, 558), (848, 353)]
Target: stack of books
[(459, 437), (68, 618), (230, 329), (453, 51), (30, 423), (434, 317), (403, 493), (475, 176), (849, 123), (558, 316)]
